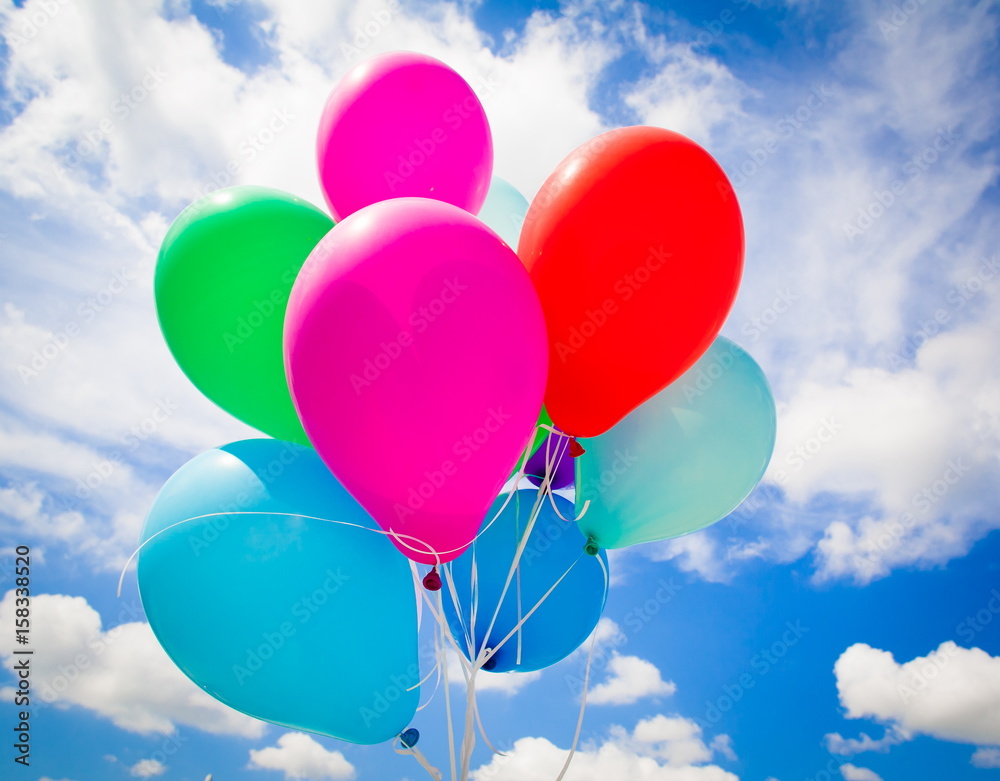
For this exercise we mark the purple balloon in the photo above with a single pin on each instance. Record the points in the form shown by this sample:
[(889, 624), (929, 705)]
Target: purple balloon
[(563, 472)]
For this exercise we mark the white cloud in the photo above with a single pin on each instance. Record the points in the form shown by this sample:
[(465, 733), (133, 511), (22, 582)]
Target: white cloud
[(692, 553), (951, 694), (662, 748), (298, 755), (121, 673), (723, 744), (147, 768), (853, 773), (629, 680), (986, 758), (838, 744)]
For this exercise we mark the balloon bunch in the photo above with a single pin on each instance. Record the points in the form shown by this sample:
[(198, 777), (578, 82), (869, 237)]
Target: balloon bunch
[(400, 357)]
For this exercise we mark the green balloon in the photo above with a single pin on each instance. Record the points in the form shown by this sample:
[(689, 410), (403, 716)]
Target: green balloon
[(540, 434), (223, 276)]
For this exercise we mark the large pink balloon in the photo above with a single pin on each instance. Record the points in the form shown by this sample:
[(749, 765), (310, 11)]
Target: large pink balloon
[(403, 124), (416, 354)]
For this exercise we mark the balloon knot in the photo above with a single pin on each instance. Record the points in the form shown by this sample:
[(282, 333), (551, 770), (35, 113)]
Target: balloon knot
[(491, 662), (575, 448), (432, 580), (591, 548), (410, 737)]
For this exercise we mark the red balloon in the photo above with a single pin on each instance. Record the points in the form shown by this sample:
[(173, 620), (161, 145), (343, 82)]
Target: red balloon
[(635, 246)]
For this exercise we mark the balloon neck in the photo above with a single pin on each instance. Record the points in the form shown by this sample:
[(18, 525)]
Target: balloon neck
[(432, 580), (591, 548), (491, 661), (575, 448), (410, 737)]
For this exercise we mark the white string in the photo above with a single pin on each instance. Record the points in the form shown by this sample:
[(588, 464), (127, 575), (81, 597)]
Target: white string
[(443, 662), (398, 536), (418, 755), (586, 686)]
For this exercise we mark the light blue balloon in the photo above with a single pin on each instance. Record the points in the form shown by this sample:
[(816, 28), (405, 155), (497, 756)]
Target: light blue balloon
[(684, 459), (504, 210), (304, 623), (563, 621)]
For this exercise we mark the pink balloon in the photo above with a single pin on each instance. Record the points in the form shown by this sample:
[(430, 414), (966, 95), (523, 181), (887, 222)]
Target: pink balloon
[(416, 354), (403, 124)]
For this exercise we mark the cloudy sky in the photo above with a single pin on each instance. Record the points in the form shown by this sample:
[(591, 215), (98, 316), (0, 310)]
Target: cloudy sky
[(843, 624)]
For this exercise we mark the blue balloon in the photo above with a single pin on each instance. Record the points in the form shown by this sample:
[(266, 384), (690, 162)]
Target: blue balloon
[(682, 460), (504, 210), (562, 622), (300, 622)]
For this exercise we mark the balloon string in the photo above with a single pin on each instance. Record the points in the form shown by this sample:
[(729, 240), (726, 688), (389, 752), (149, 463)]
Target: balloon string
[(520, 634), (586, 686), (144, 543), (552, 462), (514, 563), (538, 604), (418, 755), (398, 536), (443, 662)]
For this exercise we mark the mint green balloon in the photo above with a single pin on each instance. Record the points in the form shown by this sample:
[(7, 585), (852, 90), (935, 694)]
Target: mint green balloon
[(504, 210), (225, 269), (684, 459)]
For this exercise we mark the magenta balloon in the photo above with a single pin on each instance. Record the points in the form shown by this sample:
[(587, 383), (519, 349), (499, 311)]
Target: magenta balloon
[(403, 124), (416, 354)]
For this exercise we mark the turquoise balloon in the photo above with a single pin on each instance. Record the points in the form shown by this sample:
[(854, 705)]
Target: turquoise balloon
[(682, 460), (504, 210), (303, 623), (562, 622)]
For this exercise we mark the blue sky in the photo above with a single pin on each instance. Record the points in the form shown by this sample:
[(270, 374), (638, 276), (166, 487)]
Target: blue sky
[(856, 593)]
